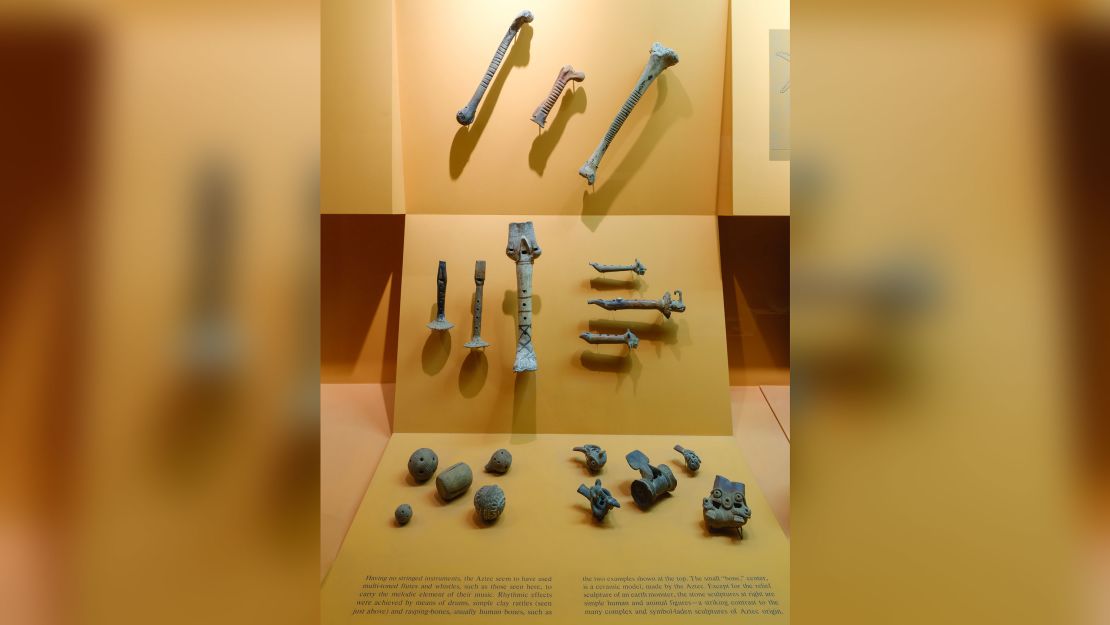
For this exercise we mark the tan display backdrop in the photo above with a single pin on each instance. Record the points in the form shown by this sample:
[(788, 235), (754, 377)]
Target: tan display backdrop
[(663, 161), (675, 382)]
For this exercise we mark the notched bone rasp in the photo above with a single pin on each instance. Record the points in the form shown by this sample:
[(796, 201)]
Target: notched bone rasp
[(565, 75), (636, 267), (661, 58), (664, 304), (479, 280), (628, 337), (441, 322), (465, 116), (524, 249)]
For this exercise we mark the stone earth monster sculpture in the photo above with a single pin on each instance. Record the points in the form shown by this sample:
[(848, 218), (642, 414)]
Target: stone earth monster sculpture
[(726, 507)]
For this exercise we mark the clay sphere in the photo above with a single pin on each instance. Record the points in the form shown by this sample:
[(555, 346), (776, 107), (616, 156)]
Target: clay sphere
[(403, 514), (423, 464)]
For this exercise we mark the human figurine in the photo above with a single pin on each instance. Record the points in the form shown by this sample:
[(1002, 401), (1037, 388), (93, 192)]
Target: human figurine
[(692, 461), (601, 500), (726, 507), (595, 457)]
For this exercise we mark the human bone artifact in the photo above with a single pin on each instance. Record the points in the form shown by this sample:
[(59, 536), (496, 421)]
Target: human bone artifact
[(465, 116), (489, 501), (479, 281), (636, 267), (422, 464), (664, 304), (726, 507), (403, 514), (601, 500), (653, 482), (595, 338), (454, 480), (500, 461), (524, 249), (692, 461), (660, 58), (566, 74), (595, 457), (441, 322)]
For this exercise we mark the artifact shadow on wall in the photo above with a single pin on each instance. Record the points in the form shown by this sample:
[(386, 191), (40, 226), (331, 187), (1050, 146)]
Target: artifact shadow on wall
[(544, 143), (598, 201), (473, 373), (524, 407), (437, 347), (466, 137), (636, 283)]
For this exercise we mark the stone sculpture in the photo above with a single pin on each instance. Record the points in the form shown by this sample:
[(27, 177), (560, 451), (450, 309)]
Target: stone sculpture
[(693, 462), (524, 249), (595, 457), (479, 281), (664, 304), (726, 507), (422, 464), (628, 337), (601, 500), (465, 116), (660, 58), (454, 481), (441, 322), (653, 482), (403, 514), (489, 502), (566, 74), (636, 267), (500, 461)]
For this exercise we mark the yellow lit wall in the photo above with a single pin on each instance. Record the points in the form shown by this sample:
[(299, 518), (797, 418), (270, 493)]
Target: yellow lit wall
[(663, 161), (676, 381), (357, 89), (759, 186)]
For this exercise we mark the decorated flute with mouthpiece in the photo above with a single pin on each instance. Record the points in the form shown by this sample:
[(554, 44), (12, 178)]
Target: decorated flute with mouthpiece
[(566, 74), (465, 116), (664, 304), (660, 58), (636, 267), (441, 322), (524, 249), (479, 280), (628, 337)]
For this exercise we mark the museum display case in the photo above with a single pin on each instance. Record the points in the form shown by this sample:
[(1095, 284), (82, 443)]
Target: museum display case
[(486, 493)]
